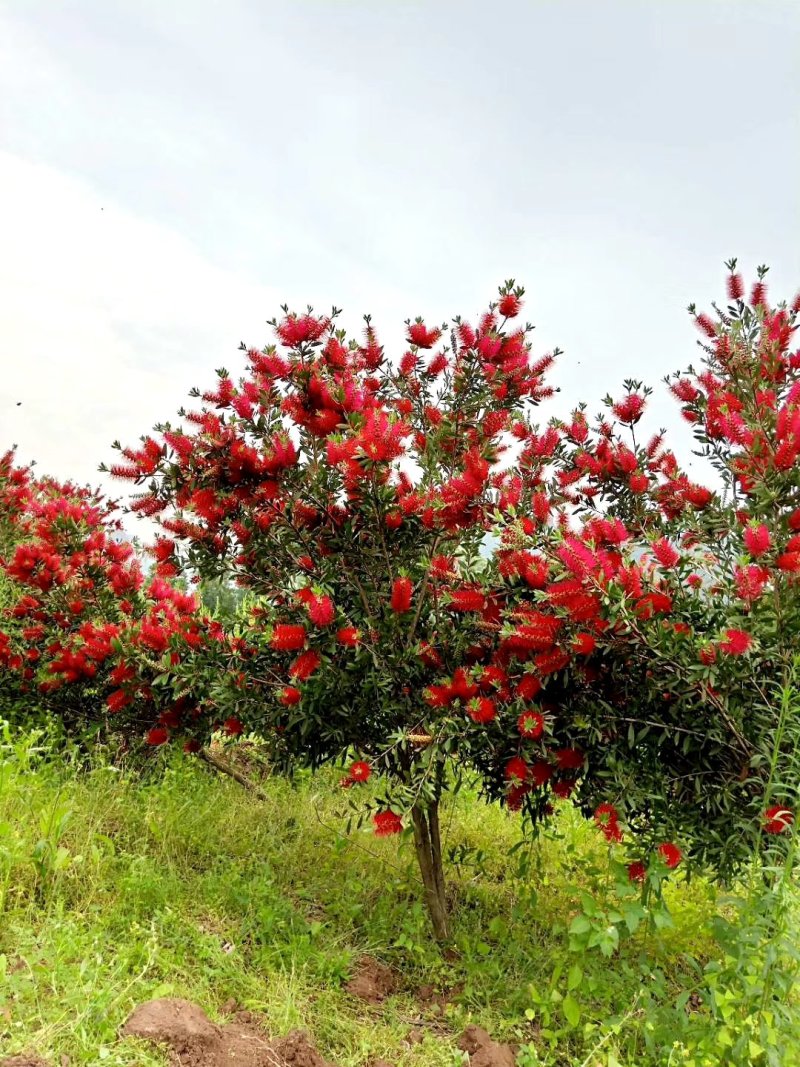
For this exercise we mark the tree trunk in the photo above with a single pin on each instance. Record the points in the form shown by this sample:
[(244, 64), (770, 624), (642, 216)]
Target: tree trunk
[(427, 842)]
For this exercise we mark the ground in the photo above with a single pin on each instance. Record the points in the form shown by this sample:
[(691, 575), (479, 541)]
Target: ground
[(118, 888)]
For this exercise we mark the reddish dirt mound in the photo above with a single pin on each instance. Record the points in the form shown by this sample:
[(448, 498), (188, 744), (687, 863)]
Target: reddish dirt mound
[(373, 981), (483, 1051), (24, 1061), (194, 1041)]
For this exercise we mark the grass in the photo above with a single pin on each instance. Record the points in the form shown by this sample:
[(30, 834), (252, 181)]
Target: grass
[(116, 887)]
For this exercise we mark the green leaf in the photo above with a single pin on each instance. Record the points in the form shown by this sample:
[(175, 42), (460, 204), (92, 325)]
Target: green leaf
[(580, 925), (571, 1010), (574, 977)]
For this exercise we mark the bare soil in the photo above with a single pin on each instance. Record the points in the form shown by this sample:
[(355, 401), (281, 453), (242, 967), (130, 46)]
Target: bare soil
[(373, 981), (483, 1051), (194, 1041)]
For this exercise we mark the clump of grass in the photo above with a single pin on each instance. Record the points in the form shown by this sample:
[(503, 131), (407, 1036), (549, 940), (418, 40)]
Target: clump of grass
[(118, 886)]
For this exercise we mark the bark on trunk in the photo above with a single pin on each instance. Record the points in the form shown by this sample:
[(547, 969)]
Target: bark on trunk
[(427, 842)]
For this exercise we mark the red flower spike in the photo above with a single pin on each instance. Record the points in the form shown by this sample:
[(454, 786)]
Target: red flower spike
[(629, 410), (360, 771), (348, 635), (517, 770), (158, 735), (757, 540), (386, 823), (637, 872), (401, 595), (607, 819), (666, 554), (735, 287), (321, 611), (482, 709), (288, 638), (778, 819), (736, 643), (531, 724), (670, 854), (421, 336), (510, 306), (305, 665)]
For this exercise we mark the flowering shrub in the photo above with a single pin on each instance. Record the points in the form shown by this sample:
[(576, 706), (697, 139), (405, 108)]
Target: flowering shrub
[(620, 644), (435, 580), (80, 626)]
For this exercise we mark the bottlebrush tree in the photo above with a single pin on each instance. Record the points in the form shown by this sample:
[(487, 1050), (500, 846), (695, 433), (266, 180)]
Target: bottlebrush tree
[(438, 583), (78, 618)]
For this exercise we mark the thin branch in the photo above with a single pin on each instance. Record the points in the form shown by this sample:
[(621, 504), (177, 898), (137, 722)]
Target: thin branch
[(223, 767)]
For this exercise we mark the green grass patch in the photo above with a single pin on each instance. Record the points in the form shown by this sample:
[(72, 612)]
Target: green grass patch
[(118, 886)]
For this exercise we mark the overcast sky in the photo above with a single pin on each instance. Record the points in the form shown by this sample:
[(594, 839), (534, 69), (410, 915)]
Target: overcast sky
[(172, 170)]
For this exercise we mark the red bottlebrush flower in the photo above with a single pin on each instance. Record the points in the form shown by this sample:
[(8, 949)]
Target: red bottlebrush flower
[(735, 287), (442, 566), (287, 637), (531, 724), (438, 696), (569, 759), (421, 336), (788, 562), (467, 600), (655, 603), (528, 688), (638, 483), (670, 854), (482, 709), (564, 789), (360, 771), (117, 700), (694, 581), (515, 795), (758, 294), (629, 409), (437, 365), (289, 696), (736, 643), (159, 735), (607, 819), (706, 325), (757, 540), (583, 644), (509, 306), (698, 496), (233, 727), (637, 872), (348, 635), (401, 595), (517, 770), (393, 520), (408, 364), (296, 330), (191, 746), (777, 819), (541, 773), (321, 611), (751, 581), (708, 655), (305, 665), (666, 554), (386, 823)]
